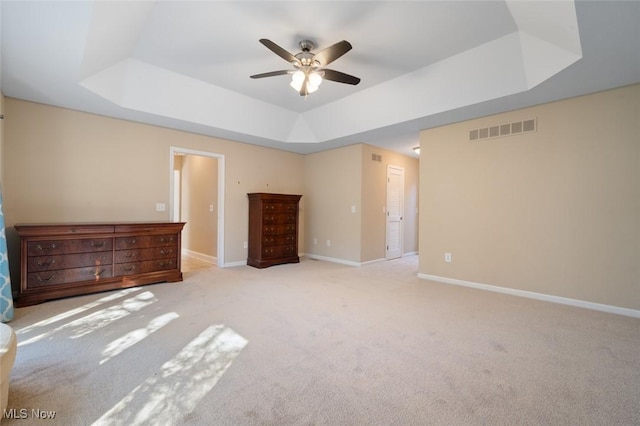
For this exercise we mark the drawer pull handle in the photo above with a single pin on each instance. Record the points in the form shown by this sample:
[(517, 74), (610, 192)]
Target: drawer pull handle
[(44, 280), (129, 268), (129, 255), (132, 241), (97, 244), (98, 272), (166, 240), (169, 263), (51, 247), (166, 251), (46, 263)]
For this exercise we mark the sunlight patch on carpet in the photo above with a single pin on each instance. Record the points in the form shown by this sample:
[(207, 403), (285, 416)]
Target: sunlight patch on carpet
[(123, 343), (76, 311), (173, 392), (99, 319), (104, 317)]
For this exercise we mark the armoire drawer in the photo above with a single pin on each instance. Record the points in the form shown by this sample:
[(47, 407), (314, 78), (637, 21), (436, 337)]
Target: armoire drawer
[(277, 240)]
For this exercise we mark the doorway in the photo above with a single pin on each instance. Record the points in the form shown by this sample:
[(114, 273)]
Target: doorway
[(206, 212)]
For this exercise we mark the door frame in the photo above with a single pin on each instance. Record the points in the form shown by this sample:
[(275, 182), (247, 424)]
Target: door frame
[(173, 150)]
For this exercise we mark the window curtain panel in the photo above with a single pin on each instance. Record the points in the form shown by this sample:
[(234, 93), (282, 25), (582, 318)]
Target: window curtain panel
[(6, 299)]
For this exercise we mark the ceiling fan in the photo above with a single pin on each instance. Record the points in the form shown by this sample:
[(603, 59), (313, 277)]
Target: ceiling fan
[(309, 68)]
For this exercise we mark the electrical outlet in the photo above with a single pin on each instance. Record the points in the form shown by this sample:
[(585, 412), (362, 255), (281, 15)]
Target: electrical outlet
[(328, 243), (160, 207), (315, 241), (246, 245), (447, 257)]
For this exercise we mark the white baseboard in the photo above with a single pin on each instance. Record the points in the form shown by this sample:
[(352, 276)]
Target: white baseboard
[(332, 259), (232, 264), (200, 256), (539, 296), (349, 262), (369, 262)]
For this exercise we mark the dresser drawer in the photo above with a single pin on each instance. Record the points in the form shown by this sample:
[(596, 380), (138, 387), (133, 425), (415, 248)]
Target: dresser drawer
[(82, 245), (124, 243), (136, 255), (48, 263), (133, 268), (55, 230), (62, 276)]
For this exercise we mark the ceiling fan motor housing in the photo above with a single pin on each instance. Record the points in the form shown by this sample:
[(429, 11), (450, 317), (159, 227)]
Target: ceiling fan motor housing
[(306, 57)]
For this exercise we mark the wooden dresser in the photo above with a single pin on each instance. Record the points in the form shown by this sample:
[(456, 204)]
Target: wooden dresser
[(60, 260), (273, 229)]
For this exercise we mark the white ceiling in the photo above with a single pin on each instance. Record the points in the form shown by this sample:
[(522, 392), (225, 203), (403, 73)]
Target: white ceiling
[(186, 64)]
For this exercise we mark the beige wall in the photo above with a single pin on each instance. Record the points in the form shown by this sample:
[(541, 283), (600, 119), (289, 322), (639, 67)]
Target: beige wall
[(339, 179), (65, 165), (554, 212), (333, 182), (199, 209), (71, 166)]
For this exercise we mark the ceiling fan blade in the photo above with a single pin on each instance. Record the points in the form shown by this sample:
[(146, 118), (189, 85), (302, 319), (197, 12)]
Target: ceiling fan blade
[(331, 53), (340, 77), (279, 51), (272, 74)]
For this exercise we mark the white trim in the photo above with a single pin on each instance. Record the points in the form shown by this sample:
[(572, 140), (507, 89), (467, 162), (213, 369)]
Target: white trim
[(237, 263), (368, 262), (333, 260), (539, 296), (173, 150), (200, 256), (346, 262)]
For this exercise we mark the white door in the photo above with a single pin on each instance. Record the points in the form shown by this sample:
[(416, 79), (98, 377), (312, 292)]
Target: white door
[(395, 210)]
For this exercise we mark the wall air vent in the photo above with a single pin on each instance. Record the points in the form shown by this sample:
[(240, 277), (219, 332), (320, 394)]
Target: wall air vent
[(507, 129), (376, 157)]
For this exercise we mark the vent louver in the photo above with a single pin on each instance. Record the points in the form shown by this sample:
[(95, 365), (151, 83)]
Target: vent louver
[(376, 157), (507, 129)]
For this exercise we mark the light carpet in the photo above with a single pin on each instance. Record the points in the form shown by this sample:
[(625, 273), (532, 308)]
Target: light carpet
[(321, 343)]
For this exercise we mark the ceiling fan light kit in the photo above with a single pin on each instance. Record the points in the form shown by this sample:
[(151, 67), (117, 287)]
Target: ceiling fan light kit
[(309, 67), (313, 80)]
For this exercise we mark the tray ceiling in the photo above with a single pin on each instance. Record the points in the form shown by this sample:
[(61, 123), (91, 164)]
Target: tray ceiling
[(186, 65)]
